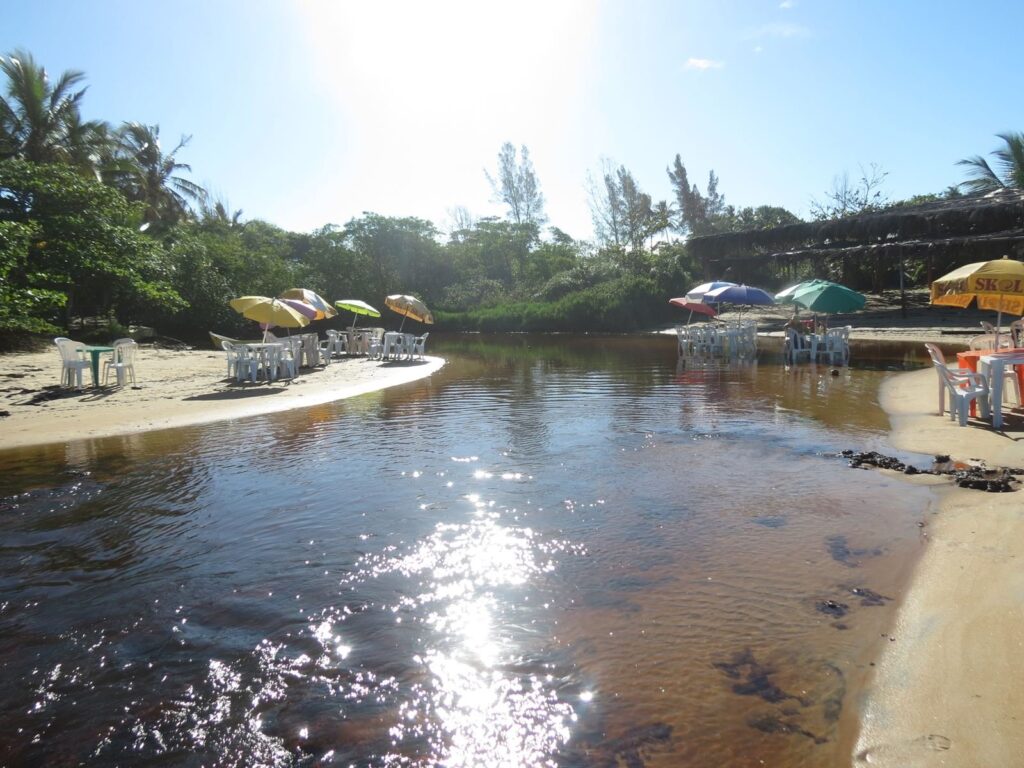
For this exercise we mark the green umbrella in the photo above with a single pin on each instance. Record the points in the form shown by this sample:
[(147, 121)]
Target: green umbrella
[(785, 296), (828, 297), (357, 308)]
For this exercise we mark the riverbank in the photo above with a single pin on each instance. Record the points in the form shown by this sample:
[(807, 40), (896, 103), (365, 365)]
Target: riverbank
[(946, 689), (175, 388)]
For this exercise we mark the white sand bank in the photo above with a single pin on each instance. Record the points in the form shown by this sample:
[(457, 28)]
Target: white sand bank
[(947, 690), (175, 388)]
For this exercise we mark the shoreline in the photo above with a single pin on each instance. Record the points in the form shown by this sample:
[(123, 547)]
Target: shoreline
[(176, 388), (944, 691)]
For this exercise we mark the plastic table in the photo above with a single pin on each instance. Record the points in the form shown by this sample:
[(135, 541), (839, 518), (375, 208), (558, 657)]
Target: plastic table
[(95, 352), (969, 359)]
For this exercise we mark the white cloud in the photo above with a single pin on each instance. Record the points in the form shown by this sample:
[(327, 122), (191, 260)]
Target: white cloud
[(758, 48), (787, 4), (703, 64)]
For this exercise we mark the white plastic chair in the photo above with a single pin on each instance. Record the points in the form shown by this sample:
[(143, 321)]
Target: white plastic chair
[(243, 360), (988, 341), (963, 389), (73, 361), (419, 346), (1017, 333), (837, 345), (121, 361), (939, 359), (796, 347)]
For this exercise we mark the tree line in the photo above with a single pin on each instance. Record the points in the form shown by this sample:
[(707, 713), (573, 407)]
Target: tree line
[(100, 221)]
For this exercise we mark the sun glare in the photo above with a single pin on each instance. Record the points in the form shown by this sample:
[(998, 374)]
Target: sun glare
[(428, 92)]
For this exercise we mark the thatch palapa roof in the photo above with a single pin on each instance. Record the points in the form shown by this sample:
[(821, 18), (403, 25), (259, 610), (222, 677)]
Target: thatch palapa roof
[(973, 228)]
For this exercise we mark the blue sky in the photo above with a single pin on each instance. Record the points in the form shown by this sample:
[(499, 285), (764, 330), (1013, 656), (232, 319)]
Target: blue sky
[(308, 112)]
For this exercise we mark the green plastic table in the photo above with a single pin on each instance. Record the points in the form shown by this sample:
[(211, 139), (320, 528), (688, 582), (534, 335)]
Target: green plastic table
[(96, 352)]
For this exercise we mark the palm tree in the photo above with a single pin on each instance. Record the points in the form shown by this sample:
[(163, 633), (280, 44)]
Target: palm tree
[(40, 121), (147, 175), (1009, 171)]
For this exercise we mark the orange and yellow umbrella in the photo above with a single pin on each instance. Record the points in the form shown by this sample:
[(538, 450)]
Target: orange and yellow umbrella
[(997, 285)]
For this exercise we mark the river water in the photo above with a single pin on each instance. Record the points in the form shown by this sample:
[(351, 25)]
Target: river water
[(564, 551)]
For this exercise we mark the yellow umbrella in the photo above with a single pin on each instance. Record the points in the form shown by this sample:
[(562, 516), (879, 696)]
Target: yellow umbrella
[(312, 298), (409, 306), (269, 312), (996, 284)]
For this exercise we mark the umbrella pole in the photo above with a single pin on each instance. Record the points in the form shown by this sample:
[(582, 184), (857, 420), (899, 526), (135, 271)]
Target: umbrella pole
[(402, 324), (999, 320)]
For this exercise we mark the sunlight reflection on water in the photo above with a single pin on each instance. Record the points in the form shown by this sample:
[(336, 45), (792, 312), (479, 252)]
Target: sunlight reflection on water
[(553, 565)]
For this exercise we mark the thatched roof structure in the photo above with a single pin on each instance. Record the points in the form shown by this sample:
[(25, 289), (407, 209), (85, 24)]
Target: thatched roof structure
[(956, 230)]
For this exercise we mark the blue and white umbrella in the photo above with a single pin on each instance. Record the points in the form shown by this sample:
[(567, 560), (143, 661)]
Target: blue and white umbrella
[(738, 294), (698, 293)]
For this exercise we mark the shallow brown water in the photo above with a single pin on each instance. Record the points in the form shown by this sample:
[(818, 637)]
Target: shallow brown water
[(557, 551)]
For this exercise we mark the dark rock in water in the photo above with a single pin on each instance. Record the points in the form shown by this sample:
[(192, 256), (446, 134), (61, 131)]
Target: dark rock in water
[(978, 476), (841, 552), (869, 597), (626, 750), (984, 479), (753, 678), (874, 459), (774, 724), (770, 522), (832, 608), (4, 413)]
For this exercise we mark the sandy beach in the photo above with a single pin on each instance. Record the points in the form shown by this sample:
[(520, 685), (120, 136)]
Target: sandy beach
[(174, 388), (946, 691)]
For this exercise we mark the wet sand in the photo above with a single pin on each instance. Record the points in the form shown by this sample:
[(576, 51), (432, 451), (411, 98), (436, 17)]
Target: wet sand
[(947, 690), (175, 388)]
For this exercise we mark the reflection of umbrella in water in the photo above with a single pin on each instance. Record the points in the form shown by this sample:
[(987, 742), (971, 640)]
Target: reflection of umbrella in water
[(269, 312), (694, 306), (409, 306), (357, 308), (312, 298), (996, 284)]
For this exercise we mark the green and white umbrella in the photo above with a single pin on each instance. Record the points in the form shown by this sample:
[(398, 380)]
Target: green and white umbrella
[(357, 308), (829, 298)]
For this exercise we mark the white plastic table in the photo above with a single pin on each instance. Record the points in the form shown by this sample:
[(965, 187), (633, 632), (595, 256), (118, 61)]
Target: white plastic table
[(993, 367)]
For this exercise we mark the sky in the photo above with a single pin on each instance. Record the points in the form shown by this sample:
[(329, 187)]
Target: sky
[(309, 112)]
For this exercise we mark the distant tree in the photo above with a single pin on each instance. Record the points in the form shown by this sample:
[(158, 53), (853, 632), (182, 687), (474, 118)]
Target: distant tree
[(761, 217), (606, 206), (848, 198), (517, 187), (398, 254), (145, 174), (75, 242), (1009, 170), (460, 220), (696, 213), (219, 211), (621, 211), (40, 121)]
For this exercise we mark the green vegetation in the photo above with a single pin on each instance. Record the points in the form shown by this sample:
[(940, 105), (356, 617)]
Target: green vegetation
[(99, 222)]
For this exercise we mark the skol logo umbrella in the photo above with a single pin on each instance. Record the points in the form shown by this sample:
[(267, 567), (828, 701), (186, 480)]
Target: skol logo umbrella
[(996, 285)]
